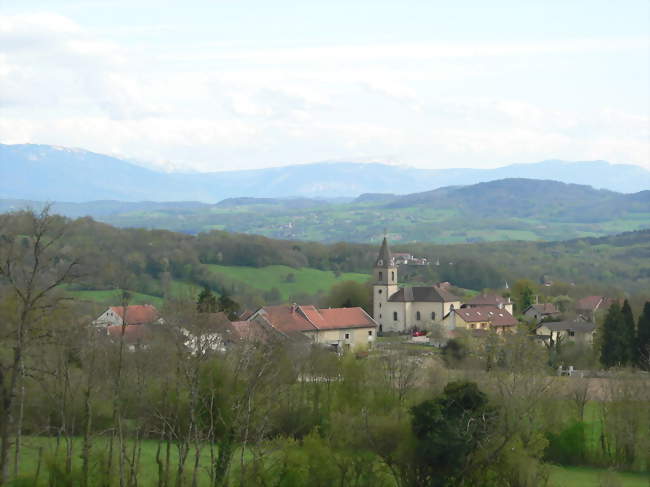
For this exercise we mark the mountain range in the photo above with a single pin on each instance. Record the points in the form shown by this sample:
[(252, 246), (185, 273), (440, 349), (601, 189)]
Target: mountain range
[(51, 173)]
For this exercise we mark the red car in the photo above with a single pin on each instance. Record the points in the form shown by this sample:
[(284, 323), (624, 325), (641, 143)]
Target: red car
[(419, 333)]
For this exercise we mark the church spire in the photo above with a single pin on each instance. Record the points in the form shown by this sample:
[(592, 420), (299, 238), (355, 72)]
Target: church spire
[(384, 259)]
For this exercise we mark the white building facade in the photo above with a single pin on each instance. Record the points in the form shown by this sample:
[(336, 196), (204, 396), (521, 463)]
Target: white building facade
[(398, 309)]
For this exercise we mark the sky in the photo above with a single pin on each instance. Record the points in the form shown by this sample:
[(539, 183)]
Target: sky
[(236, 84)]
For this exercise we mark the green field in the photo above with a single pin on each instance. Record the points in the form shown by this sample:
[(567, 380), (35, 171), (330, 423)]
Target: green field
[(592, 477), (113, 296), (305, 280)]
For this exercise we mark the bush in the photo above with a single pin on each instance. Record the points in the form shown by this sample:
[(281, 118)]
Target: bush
[(567, 447)]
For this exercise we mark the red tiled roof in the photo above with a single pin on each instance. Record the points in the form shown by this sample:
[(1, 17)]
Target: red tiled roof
[(344, 318), (137, 314), (289, 319), (495, 316)]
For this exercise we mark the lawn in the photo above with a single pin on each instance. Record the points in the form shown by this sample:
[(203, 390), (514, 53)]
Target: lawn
[(113, 296), (304, 281), (560, 476), (590, 477)]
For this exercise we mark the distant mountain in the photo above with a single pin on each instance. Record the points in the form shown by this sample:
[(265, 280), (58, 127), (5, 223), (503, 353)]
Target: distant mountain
[(507, 209), (43, 172)]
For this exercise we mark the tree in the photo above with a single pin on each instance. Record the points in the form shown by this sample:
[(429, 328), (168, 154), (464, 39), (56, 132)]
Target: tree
[(643, 338), (228, 306), (523, 292), (448, 429), (207, 301), (33, 264), (612, 351), (628, 347), (348, 294)]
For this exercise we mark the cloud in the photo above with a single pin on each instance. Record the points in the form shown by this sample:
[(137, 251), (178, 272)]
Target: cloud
[(220, 105)]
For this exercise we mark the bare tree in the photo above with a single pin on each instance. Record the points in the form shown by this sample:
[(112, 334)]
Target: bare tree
[(33, 265)]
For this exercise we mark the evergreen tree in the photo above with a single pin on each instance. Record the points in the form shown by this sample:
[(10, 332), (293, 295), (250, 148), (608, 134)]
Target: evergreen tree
[(228, 306), (643, 338), (611, 349), (628, 338), (207, 301)]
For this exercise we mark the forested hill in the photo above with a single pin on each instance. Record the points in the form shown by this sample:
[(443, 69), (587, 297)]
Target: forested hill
[(153, 261), (508, 209)]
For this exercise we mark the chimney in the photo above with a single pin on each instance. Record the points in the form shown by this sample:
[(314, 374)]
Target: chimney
[(294, 307)]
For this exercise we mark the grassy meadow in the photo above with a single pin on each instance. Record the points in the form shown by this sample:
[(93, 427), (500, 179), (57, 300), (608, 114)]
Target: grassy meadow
[(304, 281), (46, 448)]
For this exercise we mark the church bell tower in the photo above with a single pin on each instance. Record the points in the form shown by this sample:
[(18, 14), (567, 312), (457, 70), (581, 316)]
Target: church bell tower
[(385, 284)]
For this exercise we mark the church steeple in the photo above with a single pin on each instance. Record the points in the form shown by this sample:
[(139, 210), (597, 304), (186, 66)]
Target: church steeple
[(384, 259), (385, 268)]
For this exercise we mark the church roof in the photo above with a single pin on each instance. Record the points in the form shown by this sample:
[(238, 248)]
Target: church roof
[(423, 293), (384, 259)]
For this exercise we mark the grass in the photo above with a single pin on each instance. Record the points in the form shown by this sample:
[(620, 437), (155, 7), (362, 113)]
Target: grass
[(559, 476), (305, 280), (113, 296), (590, 477)]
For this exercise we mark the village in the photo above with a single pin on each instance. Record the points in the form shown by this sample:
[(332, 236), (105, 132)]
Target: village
[(419, 315)]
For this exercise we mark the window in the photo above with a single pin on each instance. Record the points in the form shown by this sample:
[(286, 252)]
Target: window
[(451, 307), (347, 336), (433, 315), (381, 275), (395, 315), (369, 333), (572, 333), (392, 276), (380, 305), (417, 316), (379, 291), (381, 327), (380, 315)]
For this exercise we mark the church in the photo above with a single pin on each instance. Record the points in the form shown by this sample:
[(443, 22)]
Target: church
[(398, 309)]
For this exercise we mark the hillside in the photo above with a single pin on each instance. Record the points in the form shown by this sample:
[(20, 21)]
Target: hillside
[(51, 173), (162, 263), (508, 209)]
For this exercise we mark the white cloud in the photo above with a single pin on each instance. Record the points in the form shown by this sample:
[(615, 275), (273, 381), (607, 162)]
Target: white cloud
[(220, 105)]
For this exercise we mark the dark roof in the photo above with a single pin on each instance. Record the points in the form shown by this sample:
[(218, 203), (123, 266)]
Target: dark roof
[(485, 299), (491, 314), (579, 326), (423, 293), (384, 259), (545, 308)]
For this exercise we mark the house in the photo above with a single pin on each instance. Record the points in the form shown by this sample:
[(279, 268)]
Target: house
[(589, 306), (578, 331), (538, 312), (398, 309), (341, 328), (485, 299), (486, 318), (129, 315)]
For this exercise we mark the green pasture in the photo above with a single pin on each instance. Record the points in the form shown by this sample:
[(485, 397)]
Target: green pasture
[(304, 281), (113, 297)]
